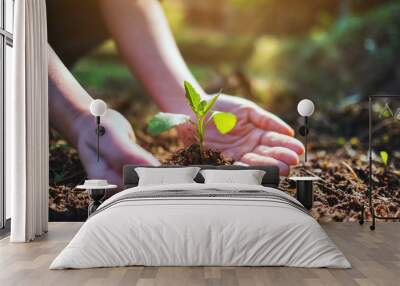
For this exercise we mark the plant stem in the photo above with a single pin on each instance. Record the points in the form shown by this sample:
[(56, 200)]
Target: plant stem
[(200, 133)]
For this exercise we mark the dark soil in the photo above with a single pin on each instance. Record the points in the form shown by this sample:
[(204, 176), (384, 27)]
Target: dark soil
[(342, 190), (191, 156), (339, 196), (67, 204)]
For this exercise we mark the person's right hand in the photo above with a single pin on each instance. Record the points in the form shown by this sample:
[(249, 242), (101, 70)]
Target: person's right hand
[(117, 147), (259, 137)]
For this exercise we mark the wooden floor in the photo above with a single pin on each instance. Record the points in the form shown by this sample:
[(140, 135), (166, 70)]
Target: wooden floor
[(375, 257)]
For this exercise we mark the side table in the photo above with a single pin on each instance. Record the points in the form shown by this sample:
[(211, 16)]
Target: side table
[(96, 194), (304, 193)]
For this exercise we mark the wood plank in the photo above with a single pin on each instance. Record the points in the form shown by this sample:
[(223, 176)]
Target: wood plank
[(375, 257)]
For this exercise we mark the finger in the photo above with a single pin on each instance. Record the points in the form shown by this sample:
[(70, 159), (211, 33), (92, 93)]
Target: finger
[(134, 154), (248, 141), (108, 174), (124, 151), (256, 159), (238, 163), (269, 122), (287, 156), (242, 145), (240, 131), (274, 139)]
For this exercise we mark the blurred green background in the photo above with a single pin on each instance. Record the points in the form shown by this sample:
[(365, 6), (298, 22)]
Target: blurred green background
[(273, 52)]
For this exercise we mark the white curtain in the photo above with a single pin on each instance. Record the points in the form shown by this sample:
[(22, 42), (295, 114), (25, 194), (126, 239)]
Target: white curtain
[(27, 124)]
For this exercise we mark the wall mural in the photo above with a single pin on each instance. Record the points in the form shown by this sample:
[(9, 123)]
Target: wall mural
[(238, 100)]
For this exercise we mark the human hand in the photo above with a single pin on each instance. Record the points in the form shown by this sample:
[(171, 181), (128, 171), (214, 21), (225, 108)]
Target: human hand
[(259, 137), (117, 147)]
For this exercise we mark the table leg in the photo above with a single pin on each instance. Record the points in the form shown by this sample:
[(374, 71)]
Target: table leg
[(96, 196), (305, 193)]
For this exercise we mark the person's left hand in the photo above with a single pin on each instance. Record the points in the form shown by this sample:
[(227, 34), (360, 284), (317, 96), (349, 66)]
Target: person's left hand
[(259, 137), (118, 147)]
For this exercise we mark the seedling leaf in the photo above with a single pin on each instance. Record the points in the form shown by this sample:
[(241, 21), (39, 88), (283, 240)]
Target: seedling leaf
[(341, 141), (210, 104), (202, 108), (386, 112), (162, 122), (397, 114), (385, 157), (224, 121), (193, 97)]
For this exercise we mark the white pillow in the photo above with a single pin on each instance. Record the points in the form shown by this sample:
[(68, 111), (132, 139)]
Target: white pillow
[(166, 176), (247, 177)]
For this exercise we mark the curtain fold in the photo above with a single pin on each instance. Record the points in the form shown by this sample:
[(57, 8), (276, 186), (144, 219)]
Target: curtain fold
[(27, 139)]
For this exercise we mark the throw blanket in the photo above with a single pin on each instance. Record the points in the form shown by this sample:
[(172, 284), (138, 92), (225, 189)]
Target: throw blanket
[(205, 194)]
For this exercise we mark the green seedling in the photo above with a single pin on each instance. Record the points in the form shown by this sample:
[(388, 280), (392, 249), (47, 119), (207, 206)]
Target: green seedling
[(385, 157), (386, 112), (224, 121)]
